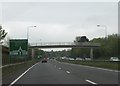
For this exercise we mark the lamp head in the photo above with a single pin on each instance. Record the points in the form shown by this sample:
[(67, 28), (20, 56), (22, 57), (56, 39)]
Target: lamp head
[(98, 25)]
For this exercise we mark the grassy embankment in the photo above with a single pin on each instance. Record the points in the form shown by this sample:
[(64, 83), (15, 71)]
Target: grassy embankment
[(12, 69), (101, 64)]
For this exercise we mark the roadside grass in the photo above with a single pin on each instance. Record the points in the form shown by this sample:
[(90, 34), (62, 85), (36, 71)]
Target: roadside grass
[(102, 64), (12, 69)]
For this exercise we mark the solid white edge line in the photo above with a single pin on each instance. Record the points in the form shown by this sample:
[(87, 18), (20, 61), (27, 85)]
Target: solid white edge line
[(91, 82), (22, 75), (68, 71)]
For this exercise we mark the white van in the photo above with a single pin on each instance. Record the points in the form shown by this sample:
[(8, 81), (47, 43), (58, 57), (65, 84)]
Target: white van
[(114, 59)]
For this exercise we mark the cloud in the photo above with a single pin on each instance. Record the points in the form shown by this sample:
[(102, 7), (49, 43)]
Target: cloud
[(47, 32), (59, 21)]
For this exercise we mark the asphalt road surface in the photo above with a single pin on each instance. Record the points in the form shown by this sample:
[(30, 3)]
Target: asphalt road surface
[(54, 72)]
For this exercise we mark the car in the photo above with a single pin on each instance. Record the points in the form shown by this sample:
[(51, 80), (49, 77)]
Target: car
[(114, 59), (44, 60), (88, 59), (71, 59), (63, 58), (79, 59)]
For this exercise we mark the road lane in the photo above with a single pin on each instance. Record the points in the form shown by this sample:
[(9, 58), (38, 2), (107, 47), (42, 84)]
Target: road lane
[(47, 73), (55, 72), (87, 73)]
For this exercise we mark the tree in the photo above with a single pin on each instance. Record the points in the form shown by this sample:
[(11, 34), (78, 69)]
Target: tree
[(2, 33), (109, 47), (80, 53)]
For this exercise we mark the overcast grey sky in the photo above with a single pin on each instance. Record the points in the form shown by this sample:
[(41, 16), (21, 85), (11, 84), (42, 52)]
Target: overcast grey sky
[(59, 21)]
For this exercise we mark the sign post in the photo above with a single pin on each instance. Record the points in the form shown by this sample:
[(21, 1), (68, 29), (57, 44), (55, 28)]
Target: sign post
[(19, 48)]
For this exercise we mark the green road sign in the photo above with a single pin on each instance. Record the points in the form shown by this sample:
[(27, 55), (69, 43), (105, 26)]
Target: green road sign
[(18, 47)]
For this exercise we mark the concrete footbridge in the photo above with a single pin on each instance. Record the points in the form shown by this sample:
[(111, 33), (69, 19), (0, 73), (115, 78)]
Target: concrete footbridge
[(65, 45), (90, 45)]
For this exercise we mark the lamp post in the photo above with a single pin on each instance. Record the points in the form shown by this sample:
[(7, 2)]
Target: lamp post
[(28, 31), (105, 29), (28, 37)]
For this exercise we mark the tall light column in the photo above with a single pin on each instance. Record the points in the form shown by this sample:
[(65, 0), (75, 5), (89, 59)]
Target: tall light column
[(28, 31), (105, 29), (28, 37)]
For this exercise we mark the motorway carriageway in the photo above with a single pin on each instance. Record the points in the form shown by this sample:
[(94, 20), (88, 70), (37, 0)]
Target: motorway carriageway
[(54, 72)]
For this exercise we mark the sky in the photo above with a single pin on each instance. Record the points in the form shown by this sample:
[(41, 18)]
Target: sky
[(58, 21)]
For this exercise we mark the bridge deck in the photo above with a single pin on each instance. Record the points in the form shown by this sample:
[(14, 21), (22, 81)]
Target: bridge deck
[(65, 45)]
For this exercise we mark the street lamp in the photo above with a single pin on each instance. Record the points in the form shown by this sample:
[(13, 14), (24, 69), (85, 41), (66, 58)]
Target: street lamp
[(105, 29), (28, 34), (28, 31)]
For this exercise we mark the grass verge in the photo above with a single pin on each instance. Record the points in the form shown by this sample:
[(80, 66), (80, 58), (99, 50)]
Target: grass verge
[(102, 64), (12, 69), (10, 73)]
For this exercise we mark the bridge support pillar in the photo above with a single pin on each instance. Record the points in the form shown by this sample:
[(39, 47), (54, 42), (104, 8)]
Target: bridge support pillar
[(91, 53), (33, 53)]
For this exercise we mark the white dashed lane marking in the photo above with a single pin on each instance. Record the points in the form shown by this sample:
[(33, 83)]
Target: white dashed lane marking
[(60, 68), (68, 72), (91, 82)]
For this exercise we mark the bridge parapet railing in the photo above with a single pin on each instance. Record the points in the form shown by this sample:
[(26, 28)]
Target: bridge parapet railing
[(52, 43), (87, 43), (65, 43)]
